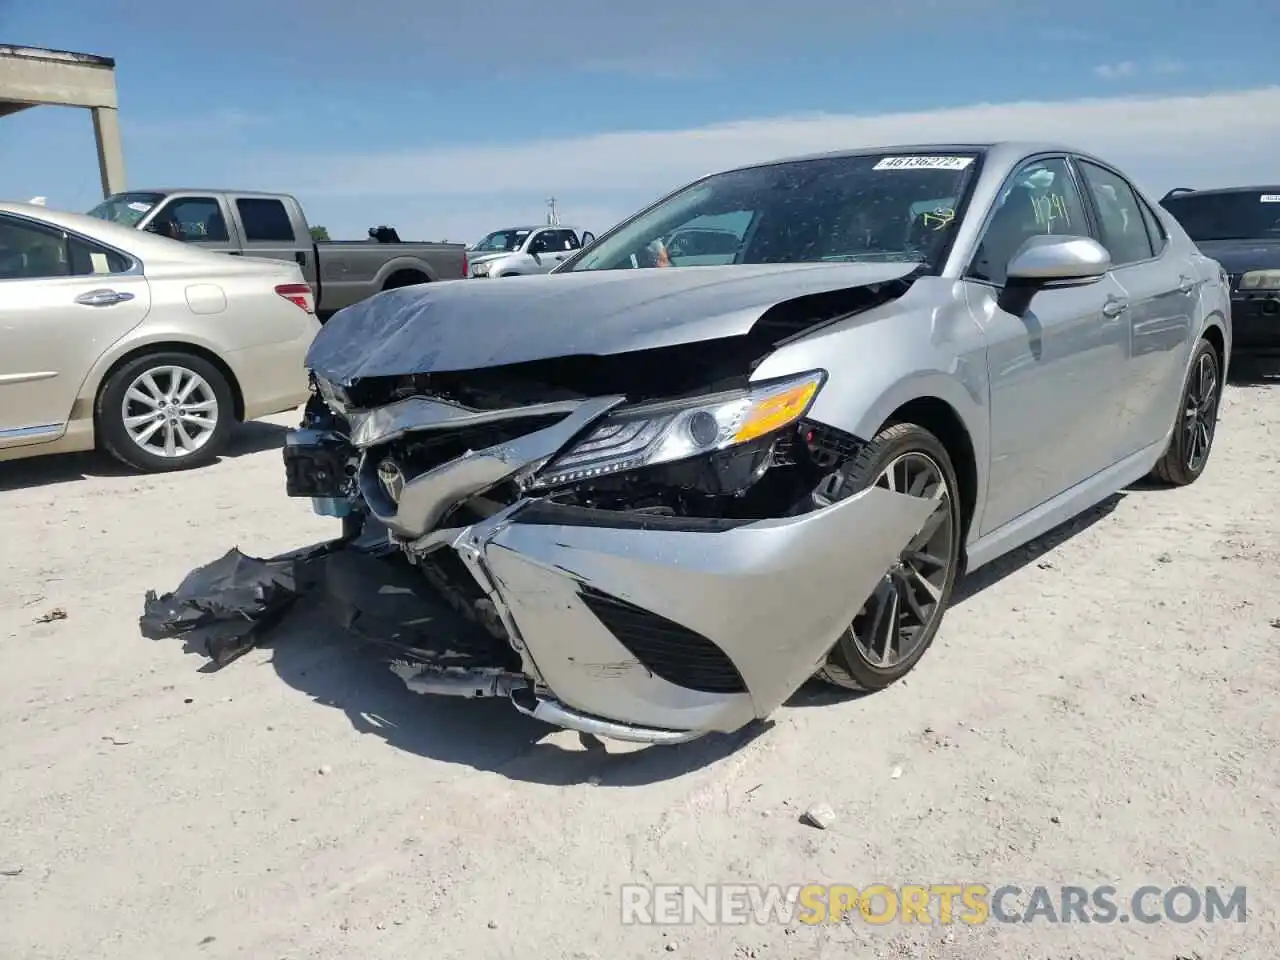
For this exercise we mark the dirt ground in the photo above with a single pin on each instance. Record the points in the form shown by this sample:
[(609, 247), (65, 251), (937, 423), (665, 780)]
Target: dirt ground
[(1100, 709)]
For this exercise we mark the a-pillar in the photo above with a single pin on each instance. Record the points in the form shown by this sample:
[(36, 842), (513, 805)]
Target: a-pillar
[(106, 131)]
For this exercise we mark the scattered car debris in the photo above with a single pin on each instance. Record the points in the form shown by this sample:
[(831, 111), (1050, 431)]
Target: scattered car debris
[(1164, 558), (897, 772), (325, 770), (57, 613), (116, 742), (820, 815), (11, 872)]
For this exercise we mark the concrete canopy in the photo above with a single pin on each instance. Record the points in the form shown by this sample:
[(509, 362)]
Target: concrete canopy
[(31, 77)]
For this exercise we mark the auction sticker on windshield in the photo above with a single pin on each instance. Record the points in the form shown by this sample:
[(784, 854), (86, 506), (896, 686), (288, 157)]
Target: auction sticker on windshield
[(139, 206), (923, 163), (1270, 198)]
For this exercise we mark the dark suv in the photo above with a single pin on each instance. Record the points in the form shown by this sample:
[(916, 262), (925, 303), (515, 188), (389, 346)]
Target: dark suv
[(1240, 228)]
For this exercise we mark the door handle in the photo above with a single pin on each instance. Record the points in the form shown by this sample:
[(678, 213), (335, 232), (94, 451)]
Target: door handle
[(103, 298), (1185, 283), (1113, 308)]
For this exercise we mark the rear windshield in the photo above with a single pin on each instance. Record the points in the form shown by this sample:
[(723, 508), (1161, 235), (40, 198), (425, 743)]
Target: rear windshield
[(1236, 215), (126, 209)]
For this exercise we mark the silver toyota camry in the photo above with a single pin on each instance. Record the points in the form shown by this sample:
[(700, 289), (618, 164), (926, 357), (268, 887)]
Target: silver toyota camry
[(674, 492)]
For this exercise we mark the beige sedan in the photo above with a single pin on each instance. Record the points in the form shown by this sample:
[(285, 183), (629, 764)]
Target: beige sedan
[(142, 346)]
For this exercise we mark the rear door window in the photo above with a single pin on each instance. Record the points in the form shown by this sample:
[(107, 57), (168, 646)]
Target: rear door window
[(265, 220), (1121, 221)]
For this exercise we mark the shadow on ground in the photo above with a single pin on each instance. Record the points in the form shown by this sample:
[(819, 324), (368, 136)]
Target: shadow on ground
[(818, 694), (247, 438), (336, 670), (316, 656)]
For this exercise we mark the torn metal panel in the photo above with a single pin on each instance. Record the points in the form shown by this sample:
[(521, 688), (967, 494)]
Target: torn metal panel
[(469, 326), (411, 507), (384, 424)]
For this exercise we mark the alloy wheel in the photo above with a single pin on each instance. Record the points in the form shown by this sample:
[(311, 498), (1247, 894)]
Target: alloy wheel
[(170, 411), (896, 618), (1200, 414)]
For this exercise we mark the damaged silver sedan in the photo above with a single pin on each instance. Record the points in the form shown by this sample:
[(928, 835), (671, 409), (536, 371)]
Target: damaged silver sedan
[(673, 492)]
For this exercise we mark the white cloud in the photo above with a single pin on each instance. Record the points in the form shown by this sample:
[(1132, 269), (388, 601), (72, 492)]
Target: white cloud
[(1130, 68), (1114, 71), (1214, 138)]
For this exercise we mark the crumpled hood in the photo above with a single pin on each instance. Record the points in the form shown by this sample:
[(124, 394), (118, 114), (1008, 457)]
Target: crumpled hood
[(466, 326), (1241, 256)]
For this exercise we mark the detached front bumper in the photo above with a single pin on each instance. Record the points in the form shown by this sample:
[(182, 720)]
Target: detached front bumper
[(660, 632)]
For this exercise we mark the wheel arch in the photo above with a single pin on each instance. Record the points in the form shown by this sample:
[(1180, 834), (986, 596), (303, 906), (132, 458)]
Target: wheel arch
[(1217, 337), (942, 420), (165, 346), (405, 277), (398, 265)]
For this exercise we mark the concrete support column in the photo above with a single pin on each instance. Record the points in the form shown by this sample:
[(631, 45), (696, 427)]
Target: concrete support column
[(106, 131)]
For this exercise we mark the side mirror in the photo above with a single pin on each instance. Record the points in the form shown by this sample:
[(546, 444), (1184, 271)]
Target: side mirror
[(587, 238), (1058, 260)]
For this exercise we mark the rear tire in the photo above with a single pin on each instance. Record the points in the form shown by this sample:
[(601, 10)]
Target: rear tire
[(1197, 422), (901, 617), (165, 411)]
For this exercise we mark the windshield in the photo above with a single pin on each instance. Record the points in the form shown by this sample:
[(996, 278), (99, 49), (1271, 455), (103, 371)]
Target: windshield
[(866, 207), (1236, 215), (502, 241), (126, 208)]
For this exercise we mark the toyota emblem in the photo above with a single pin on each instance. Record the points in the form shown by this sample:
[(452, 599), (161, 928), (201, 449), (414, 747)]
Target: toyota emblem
[(392, 479)]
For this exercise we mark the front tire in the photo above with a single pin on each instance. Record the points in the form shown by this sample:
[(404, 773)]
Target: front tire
[(165, 411), (899, 620), (1197, 423)]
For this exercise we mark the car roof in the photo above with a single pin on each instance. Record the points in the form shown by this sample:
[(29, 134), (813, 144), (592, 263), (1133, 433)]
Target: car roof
[(999, 151), (538, 226), (246, 194), (1212, 191)]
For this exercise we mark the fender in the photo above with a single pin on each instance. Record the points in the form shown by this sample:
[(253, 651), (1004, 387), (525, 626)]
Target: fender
[(403, 263)]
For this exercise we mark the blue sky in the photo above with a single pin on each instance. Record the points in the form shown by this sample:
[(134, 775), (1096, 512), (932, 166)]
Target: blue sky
[(449, 119)]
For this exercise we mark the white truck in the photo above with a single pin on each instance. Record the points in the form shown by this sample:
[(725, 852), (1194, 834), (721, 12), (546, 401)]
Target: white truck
[(521, 251)]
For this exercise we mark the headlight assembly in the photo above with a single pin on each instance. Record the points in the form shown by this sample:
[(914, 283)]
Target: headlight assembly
[(1261, 280), (651, 434)]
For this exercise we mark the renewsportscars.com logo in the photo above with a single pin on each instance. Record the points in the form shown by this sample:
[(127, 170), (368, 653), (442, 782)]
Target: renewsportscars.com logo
[(939, 903)]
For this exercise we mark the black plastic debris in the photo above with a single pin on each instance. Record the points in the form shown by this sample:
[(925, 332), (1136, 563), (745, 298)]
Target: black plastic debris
[(222, 608), (235, 603)]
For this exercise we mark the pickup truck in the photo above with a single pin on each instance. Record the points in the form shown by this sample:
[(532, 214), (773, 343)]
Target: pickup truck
[(521, 251), (242, 222)]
